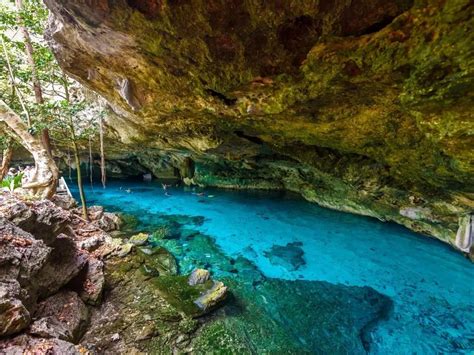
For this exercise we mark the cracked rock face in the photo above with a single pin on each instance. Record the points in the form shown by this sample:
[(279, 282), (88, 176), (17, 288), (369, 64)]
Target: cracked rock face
[(363, 106)]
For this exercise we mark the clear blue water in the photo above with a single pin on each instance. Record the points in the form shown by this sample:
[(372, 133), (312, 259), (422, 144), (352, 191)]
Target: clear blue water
[(431, 285)]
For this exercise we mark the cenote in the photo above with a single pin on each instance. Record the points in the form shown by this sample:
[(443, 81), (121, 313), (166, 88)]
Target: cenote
[(305, 279)]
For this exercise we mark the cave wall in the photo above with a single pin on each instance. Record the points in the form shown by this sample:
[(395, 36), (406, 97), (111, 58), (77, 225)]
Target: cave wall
[(363, 106)]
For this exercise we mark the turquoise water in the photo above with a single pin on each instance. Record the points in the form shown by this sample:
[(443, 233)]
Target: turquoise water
[(431, 286)]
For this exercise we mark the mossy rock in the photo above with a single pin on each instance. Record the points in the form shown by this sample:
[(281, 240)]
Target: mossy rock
[(139, 239), (158, 261), (177, 291)]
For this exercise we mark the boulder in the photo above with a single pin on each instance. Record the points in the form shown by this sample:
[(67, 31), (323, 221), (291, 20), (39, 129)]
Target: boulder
[(93, 242), (43, 218), (90, 283), (22, 258), (25, 344), (63, 315), (124, 249), (158, 261), (21, 255), (139, 239), (95, 212), (14, 316), (109, 222), (49, 327), (212, 297), (64, 201), (64, 263), (198, 276)]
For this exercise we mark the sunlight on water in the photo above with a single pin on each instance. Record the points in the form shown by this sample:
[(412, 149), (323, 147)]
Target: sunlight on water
[(431, 285)]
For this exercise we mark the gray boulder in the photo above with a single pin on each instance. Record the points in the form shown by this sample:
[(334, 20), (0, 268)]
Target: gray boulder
[(26, 344), (63, 315)]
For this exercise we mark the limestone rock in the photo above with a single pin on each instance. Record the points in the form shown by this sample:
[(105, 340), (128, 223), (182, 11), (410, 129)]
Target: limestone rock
[(93, 242), (42, 218), (124, 250), (139, 239), (63, 315), (64, 201), (212, 297), (290, 256), (345, 109), (14, 316), (198, 276), (21, 255), (109, 222), (64, 263), (25, 344), (90, 282), (95, 213), (158, 261), (49, 327)]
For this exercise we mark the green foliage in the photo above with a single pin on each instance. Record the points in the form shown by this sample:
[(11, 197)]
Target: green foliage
[(68, 111), (11, 183)]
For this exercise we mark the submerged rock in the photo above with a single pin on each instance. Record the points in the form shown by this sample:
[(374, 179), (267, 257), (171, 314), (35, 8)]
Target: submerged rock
[(193, 300), (289, 256), (296, 317), (158, 261)]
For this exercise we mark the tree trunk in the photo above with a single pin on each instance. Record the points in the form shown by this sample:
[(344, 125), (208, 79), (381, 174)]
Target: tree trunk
[(79, 177), (46, 174), (102, 155), (34, 75), (76, 154), (6, 159), (12, 78)]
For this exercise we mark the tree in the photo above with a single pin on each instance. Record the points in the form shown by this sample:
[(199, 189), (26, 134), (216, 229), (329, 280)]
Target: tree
[(77, 160), (34, 76), (36, 89), (6, 157), (45, 177)]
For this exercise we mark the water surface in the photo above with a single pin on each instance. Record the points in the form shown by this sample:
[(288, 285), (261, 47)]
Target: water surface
[(431, 285)]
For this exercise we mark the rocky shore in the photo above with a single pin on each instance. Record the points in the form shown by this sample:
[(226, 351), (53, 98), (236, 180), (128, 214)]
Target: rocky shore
[(67, 286)]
